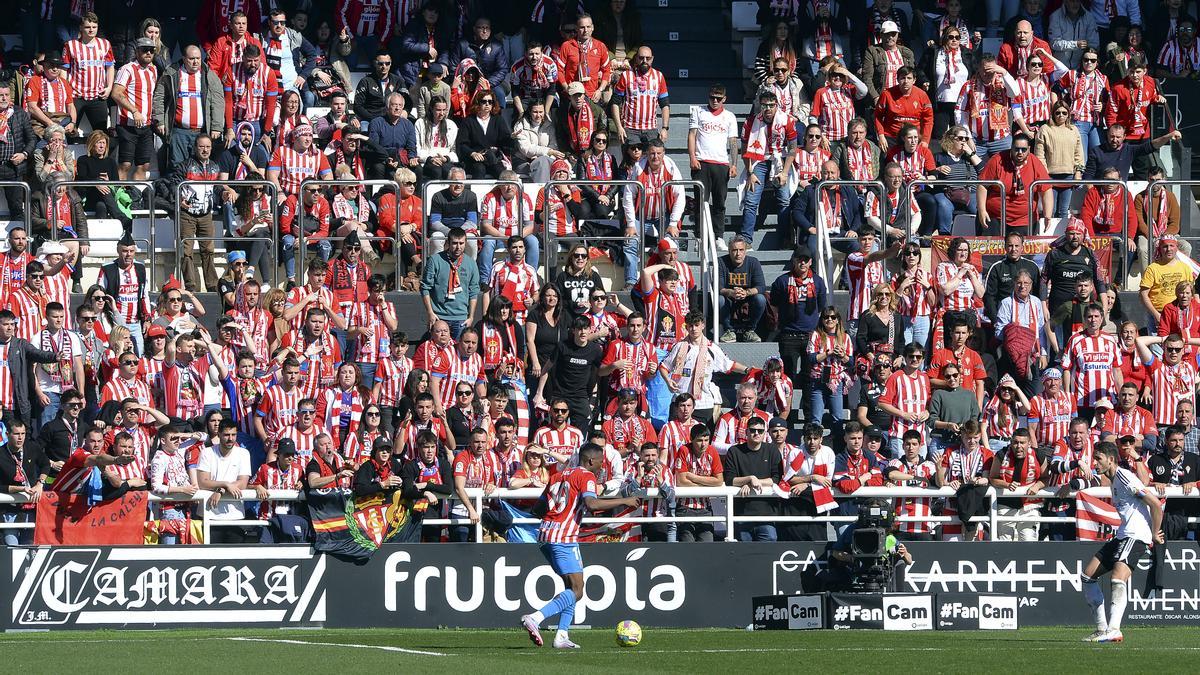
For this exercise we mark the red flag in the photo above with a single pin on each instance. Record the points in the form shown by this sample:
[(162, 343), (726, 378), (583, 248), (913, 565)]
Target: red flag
[(67, 520), (1094, 518)]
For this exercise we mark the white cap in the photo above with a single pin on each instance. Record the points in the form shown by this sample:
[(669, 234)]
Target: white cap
[(889, 27)]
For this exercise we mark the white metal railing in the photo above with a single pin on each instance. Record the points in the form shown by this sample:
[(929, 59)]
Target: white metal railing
[(726, 496)]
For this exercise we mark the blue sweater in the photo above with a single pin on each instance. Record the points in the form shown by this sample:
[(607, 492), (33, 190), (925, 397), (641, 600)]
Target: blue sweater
[(394, 137), (435, 282)]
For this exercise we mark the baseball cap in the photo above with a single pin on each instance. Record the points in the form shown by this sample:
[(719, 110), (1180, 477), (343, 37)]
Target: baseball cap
[(889, 27), (777, 422), (575, 88), (286, 446), (51, 248), (145, 43), (156, 331), (801, 253), (873, 433), (667, 244)]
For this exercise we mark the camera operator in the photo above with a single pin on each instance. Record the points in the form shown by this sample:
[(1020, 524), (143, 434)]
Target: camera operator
[(874, 563)]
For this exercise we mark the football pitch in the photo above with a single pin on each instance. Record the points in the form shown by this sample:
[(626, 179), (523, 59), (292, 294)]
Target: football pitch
[(662, 650)]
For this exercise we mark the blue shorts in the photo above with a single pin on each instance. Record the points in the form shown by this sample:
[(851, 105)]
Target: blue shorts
[(563, 558)]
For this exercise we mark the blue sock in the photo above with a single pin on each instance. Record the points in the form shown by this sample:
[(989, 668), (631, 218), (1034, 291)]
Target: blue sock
[(568, 612), (559, 604)]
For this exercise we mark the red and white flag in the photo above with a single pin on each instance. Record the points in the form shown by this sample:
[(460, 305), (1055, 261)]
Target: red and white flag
[(1095, 518), (822, 496)]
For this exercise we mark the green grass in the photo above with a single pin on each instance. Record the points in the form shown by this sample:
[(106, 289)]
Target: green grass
[(1038, 650)]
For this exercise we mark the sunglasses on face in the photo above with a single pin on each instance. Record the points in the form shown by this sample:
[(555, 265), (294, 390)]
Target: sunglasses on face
[(88, 317), (756, 430), (579, 256), (1021, 149), (915, 254), (464, 392), (276, 22), (373, 414), (963, 139), (129, 362), (307, 411)]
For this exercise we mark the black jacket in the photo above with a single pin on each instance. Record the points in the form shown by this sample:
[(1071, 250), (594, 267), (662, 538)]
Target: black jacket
[(1001, 277), (411, 473), (370, 98), (766, 462), (21, 357), (472, 137), (366, 479), (21, 127), (56, 440), (1160, 472), (34, 464)]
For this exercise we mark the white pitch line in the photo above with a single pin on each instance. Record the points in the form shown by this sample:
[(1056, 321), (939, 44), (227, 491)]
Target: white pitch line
[(887, 649), (340, 644)]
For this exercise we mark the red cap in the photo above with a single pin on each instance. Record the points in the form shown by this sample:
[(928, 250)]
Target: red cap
[(1076, 225), (667, 244), (156, 330), (172, 284)]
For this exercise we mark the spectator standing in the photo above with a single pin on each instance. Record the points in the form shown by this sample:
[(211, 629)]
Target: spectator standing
[(769, 145), (1015, 53), (1059, 146), (1023, 331), (371, 24), (900, 105), (906, 399), (697, 464), (1072, 32), (798, 296), (450, 284), (289, 55), (488, 54), (90, 61), (585, 60), (251, 95), (425, 40), (188, 102), (986, 107), (1123, 155), (788, 90), (882, 61), (1175, 468), (506, 212), (1164, 214), (948, 68), (743, 293), (833, 104), (133, 92), (1017, 171), (228, 49), (196, 206), (639, 96)]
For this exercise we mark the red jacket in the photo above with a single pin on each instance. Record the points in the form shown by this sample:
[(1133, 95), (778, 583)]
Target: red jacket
[(220, 57), (213, 20), (894, 110), (1007, 58), (1125, 108), (291, 209), (1112, 220)]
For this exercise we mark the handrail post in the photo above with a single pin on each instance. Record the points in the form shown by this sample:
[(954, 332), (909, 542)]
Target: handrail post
[(993, 513), (26, 200), (730, 534), (479, 510), (144, 185), (1126, 195), (273, 239)]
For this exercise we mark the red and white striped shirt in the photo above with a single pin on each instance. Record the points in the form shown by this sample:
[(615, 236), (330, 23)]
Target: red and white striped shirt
[(139, 85), (257, 322), (658, 477), (564, 441), (271, 477), (87, 66), (985, 110), (118, 389), (468, 370), (1065, 455), (1177, 58), (564, 512), (731, 428), (305, 440), (143, 438), (518, 283), (1136, 422), (339, 412), (1001, 420), (834, 108), (558, 217), (406, 436), (12, 271), (643, 94), (1092, 361), (294, 167), (629, 433), (806, 164), (1035, 100), (910, 394), (392, 374), (57, 288), (248, 93), (30, 310), (189, 100), (297, 296), (674, 435), (893, 61), (1087, 90), (129, 296), (707, 464), (148, 370), (374, 18), (962, 298), (774, 398), (836, 375), (914, 165), (656, 200), (477, 471), (864, 276), (763, 140), (915, 301), (1053, 416), (914, 507), (643, 364), (377, 346), (53, 96), (1171, 384), (136, 469), (861, 163), (278, 408), (506, 215)]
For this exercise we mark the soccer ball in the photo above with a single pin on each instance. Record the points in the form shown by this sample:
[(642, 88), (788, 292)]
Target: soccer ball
[(629, 634)]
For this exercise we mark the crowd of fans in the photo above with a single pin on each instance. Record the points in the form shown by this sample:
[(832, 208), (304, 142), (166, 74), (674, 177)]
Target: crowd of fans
[(947, 374)]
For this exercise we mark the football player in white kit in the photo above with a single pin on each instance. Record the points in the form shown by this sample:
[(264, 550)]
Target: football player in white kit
[(1141, 523)]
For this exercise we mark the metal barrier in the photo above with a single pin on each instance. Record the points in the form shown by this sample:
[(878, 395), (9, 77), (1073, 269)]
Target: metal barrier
[(1152, 241), (726, 495), (824, 251), (302, 240), (273, 240), (27, 202), (709, 272), (1125, 195), (550, 240), (977, 183), (144, 185)]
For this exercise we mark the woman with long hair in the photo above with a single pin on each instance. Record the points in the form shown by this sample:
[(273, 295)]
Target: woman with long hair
[(532, 474), (235, 275), (253, 217), (275, 302), (120, 340), (778, 43), (830, 352), (178, 309), (151, 363), (500, 335), (1059, 146), (880, 329), (291, 115), (416, 384), (597, 163), (437, 136), (577, 279), (1128, 44), (370, 431), (545, 328), (1003, 413), (100, 164), (340, 408), (914, 288), (957, 161), (104, 306), (948, 68), (484, 137)]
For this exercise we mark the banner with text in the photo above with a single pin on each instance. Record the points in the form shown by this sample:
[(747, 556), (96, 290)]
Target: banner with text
[(489, 585), (987, 250)]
